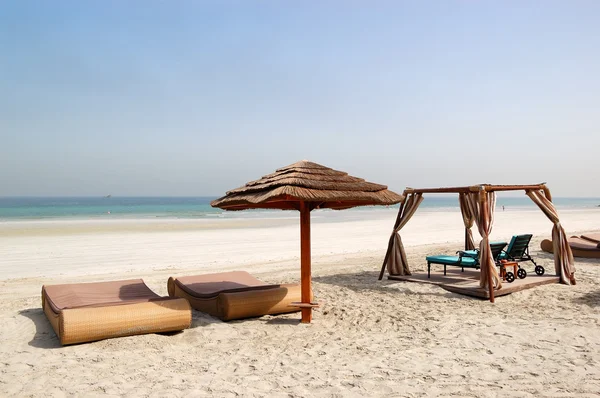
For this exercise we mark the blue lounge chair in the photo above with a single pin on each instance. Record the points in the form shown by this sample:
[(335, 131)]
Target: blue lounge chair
[(459, 261), (518, 250), (497, 251), (463, 259)]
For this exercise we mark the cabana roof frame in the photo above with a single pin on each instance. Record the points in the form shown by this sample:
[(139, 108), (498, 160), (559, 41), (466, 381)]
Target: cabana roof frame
[(476, 188)]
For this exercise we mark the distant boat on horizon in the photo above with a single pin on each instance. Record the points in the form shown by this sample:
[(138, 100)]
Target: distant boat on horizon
[(108, 196)]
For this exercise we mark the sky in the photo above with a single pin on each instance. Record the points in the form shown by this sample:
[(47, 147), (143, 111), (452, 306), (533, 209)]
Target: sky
[(193, 98)]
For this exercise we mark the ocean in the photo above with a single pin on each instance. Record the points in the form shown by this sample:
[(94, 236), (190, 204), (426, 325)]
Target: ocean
[(37, 208)]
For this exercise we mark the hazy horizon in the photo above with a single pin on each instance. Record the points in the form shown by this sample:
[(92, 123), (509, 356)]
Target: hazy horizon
[(161, 99)]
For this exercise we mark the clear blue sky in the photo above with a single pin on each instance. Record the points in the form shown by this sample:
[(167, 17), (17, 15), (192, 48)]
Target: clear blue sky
[(197, 97)]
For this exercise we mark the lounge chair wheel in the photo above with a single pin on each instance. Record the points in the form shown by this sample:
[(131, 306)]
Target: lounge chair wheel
[(539, 270), (510, 277), (521, 273)]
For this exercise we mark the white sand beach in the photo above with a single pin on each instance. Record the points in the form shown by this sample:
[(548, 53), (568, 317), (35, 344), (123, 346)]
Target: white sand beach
[(157, 139), (369, 338)]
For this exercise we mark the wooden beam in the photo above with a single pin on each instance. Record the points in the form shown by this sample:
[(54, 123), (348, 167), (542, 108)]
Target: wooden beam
[(437, 190), (474, 188), (496, 188), (305, 272)]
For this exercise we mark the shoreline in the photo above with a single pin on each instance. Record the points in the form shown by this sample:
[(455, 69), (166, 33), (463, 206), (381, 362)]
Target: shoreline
[(269, 214), (252, 215)]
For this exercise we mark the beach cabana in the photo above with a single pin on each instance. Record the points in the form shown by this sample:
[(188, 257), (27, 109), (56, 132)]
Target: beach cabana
[(305, 186), (477, 205)]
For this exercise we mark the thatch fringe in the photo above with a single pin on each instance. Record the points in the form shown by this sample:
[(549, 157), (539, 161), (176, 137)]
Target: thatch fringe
[(383, 197), (309, 182)]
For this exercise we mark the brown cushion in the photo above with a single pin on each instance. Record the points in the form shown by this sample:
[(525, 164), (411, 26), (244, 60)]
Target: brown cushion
[(211, 285), (582, 244), (595, 238), (61, 297)]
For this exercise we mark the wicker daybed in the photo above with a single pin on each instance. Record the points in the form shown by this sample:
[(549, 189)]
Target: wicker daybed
[(587, 246), (234, 295), (85, 312)]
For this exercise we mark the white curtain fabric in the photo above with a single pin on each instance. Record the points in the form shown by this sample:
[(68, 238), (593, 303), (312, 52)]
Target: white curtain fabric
[(396, 261), (468, 220), (563, 256), (484, 217)]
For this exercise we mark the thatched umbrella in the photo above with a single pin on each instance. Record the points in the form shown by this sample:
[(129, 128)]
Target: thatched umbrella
[(305, 186)]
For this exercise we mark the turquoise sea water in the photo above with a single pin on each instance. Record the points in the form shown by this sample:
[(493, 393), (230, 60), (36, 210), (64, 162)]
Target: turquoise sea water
[(32, 208)]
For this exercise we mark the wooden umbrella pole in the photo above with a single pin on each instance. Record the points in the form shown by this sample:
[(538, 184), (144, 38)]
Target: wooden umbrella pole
[(305, 260), (485, 214)]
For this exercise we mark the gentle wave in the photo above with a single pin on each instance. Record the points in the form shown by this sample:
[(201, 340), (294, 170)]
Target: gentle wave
[(28, 208)]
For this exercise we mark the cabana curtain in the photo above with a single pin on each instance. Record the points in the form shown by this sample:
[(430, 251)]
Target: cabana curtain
[(484, 217), (395, 257), (468, 220), (563, 256)]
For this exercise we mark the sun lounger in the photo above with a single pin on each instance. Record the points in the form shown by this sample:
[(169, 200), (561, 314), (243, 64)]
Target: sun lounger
[(234, 295), (86, 312), (580, 247), (518, 249), (497, 248), (464, 259), (458, 261)]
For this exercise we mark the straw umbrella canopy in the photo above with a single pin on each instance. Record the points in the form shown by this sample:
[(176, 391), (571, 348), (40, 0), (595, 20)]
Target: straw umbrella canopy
[(305, 186)]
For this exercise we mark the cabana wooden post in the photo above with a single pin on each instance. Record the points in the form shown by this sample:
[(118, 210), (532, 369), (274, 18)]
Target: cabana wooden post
[(539, 193), (305, 186)]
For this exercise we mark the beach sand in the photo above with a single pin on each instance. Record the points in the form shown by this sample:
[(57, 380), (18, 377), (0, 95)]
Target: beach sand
[(370, 337)]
